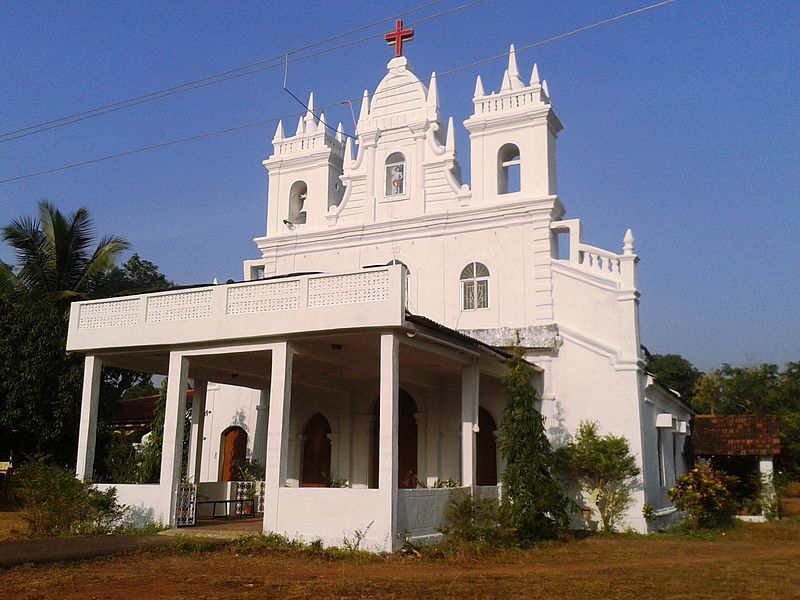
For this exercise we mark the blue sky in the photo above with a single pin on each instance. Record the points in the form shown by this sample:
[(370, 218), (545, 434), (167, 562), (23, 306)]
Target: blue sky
[(681, 123)]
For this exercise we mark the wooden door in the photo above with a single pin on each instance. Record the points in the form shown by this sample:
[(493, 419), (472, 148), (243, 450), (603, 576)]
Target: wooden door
[(316, 470), (234, 451), (486, 460)]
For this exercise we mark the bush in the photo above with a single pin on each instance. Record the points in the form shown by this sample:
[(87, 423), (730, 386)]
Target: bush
[(605, 469), (704, 493), (477, 522), (54, 503)]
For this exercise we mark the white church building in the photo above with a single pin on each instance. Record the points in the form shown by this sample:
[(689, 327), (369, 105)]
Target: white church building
[(361, 358)]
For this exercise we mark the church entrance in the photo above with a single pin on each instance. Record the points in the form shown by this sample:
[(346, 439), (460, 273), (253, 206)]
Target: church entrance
[(234, 452), (316, 468), (406, 444), (486, 451)]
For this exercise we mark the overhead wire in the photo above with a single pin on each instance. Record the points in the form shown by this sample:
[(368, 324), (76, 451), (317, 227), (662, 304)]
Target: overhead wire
[(344, 101), (236, 72)]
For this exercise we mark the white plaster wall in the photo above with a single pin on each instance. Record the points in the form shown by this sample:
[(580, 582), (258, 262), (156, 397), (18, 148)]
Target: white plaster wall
[(332, 514), (420, 512), (226, 406), (145, 502)]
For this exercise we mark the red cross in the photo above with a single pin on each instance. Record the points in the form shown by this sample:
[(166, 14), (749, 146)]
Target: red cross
[(398, 36)]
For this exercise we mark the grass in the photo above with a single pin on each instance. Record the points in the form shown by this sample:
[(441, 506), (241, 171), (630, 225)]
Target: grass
[(748, 561)]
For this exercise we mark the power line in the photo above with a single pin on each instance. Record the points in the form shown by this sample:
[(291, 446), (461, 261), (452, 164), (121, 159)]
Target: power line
[(345, 101), (241, 71)]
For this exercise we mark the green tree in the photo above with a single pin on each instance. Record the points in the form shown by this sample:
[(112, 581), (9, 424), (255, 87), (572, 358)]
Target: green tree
[(136, 276), (605, 469), (675, 372), (54, 255), (40, 385), (534, 502)]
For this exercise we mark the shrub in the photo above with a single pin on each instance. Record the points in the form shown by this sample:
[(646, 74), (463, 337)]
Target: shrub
[(54, 503), (533, 502), (704, 493), (605, 469), (474, 521)]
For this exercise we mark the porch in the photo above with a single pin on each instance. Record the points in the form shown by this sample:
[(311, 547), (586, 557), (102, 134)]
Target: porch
[(353, 391)]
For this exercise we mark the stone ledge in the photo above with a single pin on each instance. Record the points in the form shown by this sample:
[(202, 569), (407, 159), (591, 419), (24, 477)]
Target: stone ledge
[(531, 336)]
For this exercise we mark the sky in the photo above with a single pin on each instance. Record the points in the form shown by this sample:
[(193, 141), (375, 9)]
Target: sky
[(682, 123)]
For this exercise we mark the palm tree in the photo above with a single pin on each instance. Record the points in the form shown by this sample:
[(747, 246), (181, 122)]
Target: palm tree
[(53, 254)]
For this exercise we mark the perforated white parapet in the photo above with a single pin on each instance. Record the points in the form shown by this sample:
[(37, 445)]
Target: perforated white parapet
[(264, 297), (348, 289), (109, 314), (179, 307)]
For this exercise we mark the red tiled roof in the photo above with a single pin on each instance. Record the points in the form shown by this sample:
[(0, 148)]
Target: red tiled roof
[(137, 410), (735, 435)]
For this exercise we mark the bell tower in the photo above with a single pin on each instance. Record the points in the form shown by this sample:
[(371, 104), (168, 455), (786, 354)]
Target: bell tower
[(304, 172), (513, 138)]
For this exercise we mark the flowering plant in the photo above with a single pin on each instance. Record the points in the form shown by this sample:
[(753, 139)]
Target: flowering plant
[(704, 493)]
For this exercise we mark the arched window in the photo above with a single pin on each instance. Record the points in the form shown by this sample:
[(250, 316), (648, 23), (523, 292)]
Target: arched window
[(508, 169), (395, 174), (297, 200), (316, 453), (474, 286)]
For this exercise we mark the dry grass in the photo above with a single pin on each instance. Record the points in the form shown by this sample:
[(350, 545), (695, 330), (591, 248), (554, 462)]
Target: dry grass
[(12, 527), (753, 561)]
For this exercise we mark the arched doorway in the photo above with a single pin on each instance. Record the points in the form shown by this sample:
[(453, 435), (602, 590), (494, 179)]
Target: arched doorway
[(406, 443), (316, 468), (234, 451), (486, 459)]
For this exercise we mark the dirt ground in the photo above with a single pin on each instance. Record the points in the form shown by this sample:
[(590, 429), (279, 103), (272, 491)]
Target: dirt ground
[(12, 526), (753, 561)]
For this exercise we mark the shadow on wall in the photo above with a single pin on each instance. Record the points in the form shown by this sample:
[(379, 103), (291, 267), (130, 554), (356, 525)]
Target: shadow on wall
[(557, 432), (138, 517)]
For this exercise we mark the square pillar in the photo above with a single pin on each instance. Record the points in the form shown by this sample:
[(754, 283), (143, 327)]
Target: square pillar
[(172, 446), (198, 424), (87, 434), (470, 379), (260, 431), (387, 439), (276, 459)]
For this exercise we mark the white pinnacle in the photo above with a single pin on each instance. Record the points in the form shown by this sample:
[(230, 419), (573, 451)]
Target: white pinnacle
[(535, 75), (279, 131), (364, 106), (479, 88), (450, 144), (513, 72), (433, 93)]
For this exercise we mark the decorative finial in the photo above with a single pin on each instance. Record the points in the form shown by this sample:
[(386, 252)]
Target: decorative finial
[(506, 85), (348, 151), (300, 127), (310, 119), (323, 124), (340, 132), (627, 243), (398, 36), (433, 93), (535, 75), (513, 72), (364, 106), (545, 89), (450, 144), (278, 132), (479, 88)]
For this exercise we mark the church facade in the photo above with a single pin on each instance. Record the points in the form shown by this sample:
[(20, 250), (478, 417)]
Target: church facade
[(361, 359)]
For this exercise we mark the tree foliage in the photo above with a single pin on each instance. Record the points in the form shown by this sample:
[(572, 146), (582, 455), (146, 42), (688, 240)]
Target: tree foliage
[(605, 469), (535, 504), (54, 255), (675, 372), (40, 384)]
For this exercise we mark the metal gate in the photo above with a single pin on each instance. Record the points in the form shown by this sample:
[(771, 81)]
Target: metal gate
[(185, 505)]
